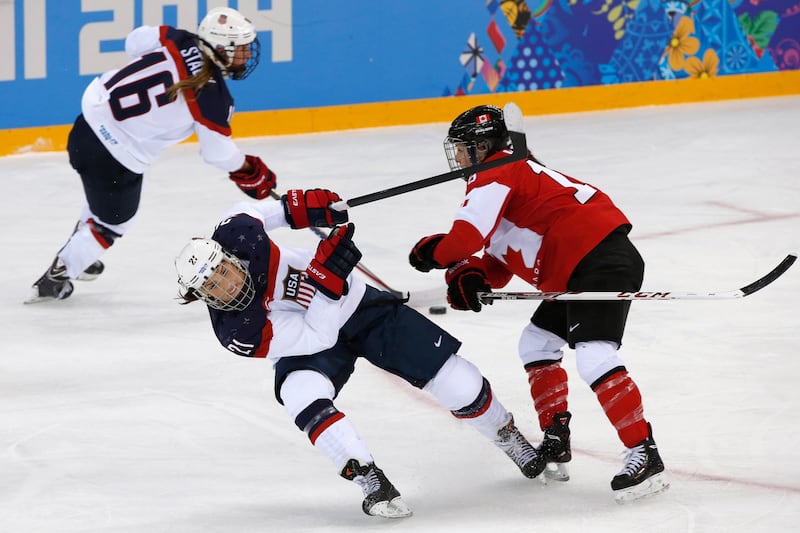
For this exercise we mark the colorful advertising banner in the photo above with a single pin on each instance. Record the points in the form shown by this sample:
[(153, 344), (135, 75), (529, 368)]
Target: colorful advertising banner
[(317, 53)]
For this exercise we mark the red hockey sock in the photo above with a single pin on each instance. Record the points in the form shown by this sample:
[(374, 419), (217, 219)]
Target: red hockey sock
[(549, 390), (622, 402)]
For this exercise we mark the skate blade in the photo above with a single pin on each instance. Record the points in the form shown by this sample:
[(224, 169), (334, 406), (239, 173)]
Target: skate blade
[(92, 272), (396, 508), (34, 297), (556, 472), (648, 487)]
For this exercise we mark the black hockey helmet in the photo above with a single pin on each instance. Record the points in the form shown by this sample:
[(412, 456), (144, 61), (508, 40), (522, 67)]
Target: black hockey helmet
[(476, 133)]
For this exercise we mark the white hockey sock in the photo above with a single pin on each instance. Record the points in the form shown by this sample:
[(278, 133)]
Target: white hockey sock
[(307, 396), (81, 250), (493, 417), (340, 441), (461, 388)]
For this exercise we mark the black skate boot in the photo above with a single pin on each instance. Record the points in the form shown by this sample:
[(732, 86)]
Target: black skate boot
[(380, 496), (517, 447), (53, 285), (555, 447), (92, 271), (643, 473)]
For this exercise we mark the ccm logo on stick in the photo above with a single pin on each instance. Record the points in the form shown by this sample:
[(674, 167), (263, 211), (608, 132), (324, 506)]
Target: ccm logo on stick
[(643, 294)]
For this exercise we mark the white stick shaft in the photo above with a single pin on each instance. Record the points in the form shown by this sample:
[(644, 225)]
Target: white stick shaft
[(596, 296), (648, 296)]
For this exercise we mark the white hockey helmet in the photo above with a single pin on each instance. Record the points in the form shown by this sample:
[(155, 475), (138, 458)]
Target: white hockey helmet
[(213, 275), (220, 32)]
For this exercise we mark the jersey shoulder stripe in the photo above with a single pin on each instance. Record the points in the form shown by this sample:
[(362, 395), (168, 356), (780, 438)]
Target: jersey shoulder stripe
[(272, 276), (213, 105)]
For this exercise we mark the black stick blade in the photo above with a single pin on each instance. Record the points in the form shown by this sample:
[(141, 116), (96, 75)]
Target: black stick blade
[(774, 274)]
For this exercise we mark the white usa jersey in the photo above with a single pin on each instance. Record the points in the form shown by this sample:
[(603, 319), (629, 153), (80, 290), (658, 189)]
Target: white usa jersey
[(287, 317), (131, 113)]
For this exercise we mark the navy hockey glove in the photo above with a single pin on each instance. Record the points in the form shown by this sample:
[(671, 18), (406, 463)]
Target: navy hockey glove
[(465, 280), (421, 256), (335, 258), (310, 208), (258, 181)]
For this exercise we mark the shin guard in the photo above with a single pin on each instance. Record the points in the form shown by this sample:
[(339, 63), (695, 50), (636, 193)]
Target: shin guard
[(620, 398), (549, 389)]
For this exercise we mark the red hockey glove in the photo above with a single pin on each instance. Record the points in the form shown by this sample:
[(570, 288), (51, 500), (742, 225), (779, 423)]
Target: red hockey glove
[(465, 280), (335, 258), (310, 208), (421, 256), (258, 181)]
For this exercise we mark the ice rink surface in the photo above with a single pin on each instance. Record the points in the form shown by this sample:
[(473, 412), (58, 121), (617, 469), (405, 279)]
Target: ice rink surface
[(119, 411)]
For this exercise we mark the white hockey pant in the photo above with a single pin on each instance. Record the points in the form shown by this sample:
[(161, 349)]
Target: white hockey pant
[(592, 358)]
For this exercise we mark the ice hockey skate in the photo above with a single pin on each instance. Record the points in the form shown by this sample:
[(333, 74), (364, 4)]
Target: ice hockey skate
[(643, 473), (53, 285), (380, 496), (555, 448), (516, 446), (92, 271)]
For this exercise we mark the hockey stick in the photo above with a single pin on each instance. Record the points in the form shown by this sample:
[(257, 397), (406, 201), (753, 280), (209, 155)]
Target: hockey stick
[(361, 268), (419, 298), (775, 273), (512, 116)]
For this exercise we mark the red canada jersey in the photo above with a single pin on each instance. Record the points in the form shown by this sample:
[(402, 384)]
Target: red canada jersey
[(538, 223)]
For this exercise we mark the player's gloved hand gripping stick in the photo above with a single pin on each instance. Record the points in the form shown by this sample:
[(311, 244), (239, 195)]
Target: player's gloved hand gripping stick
[(512, 116)]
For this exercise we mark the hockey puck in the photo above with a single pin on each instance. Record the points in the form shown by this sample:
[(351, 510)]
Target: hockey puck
[(437, 309)]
